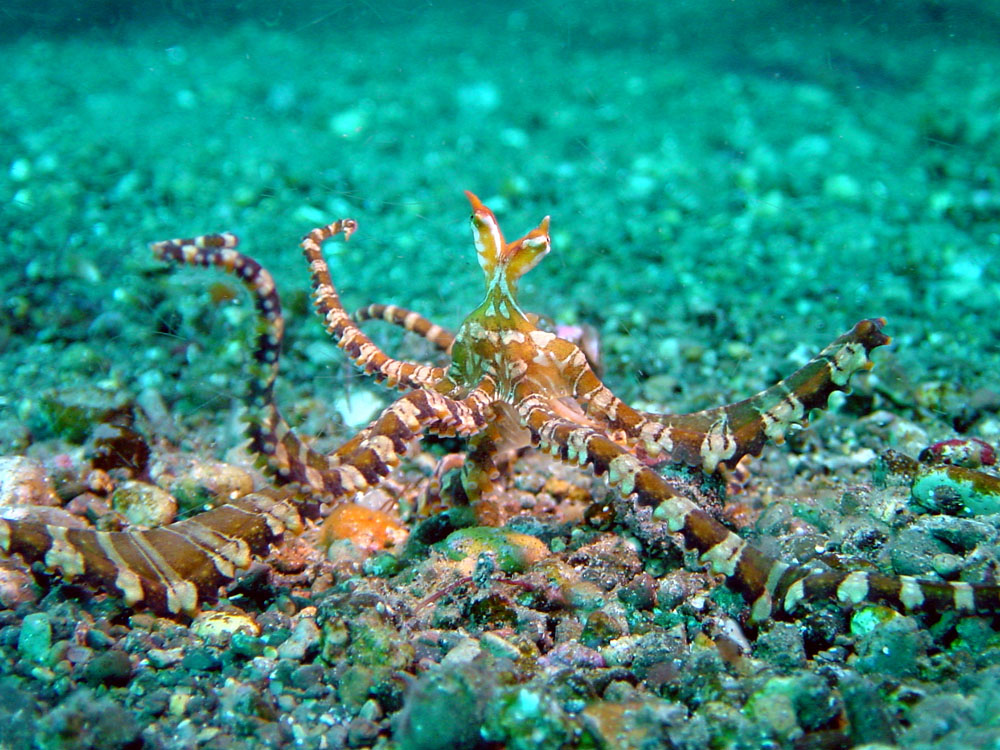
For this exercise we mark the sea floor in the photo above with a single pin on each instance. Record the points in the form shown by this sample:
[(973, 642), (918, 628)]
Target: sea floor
[(730, 185)]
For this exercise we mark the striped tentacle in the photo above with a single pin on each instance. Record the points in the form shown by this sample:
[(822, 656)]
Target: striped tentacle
[(488, 451), (281, 452), (169, 569), (265, 425), (769, 586), (363, 461), (726, 434), (411, 321), (745, 568), (602, 404), (903, 592), (362, 351)]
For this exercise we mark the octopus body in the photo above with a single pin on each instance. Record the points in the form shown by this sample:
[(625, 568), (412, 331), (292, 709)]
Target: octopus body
[(509, 384)]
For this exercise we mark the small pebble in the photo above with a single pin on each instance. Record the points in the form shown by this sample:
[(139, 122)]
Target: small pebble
[(161, 658), (144, 504), (306, 676), (196, 483), (215, 624), (304, 638), (112, 668), (246, 645), (361, 732), (955, 490), (947, 564), (200, 660), (514, 551), (970, 453), (23, 481), (16, 586), (368, 529), (499, 647), (35, 638)]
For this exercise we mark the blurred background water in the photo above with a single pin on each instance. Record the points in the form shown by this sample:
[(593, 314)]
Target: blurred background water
[(730, 184)]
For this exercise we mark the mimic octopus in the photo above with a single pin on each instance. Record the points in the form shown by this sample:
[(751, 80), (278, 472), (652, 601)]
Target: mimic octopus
[(509, 384)]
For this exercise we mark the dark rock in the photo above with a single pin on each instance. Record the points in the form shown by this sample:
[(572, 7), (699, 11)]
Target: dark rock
[(306, 676), (361, 732), (112, 668), (782, 646), (913, 550), (118, 446), (443, 708), (246, 645), (493, 612), (639, 593), (600, 629), (97, 639), (864, 709), (156, 702), (201, 660), (85, 721), (893, 648), (815, 703)]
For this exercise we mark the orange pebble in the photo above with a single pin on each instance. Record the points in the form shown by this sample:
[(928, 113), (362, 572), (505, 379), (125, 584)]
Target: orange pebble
[(369, 529)]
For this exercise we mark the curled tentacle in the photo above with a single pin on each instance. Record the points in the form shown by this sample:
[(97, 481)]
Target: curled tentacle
[(265, 426), (362, 351)]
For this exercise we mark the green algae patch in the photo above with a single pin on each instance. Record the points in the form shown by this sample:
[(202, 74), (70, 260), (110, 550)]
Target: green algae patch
[(956, 490), (523, 718), (866, 619), (512, 550)]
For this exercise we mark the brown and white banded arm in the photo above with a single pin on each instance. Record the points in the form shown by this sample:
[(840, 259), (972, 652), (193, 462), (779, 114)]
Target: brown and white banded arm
[(264, 421), (345, 332), (770, 587), (414, 322), (169, 569), (728, 433), (366, 459), (279, 450)]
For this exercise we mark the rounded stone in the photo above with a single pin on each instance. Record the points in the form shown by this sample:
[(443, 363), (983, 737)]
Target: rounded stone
[(23, 481), (442, 709), (35, 638), (112, 668), (513, 551), (215, 624), (144, 504)]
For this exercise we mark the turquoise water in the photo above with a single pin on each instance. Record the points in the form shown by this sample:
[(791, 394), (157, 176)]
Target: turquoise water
[(760, 173)]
